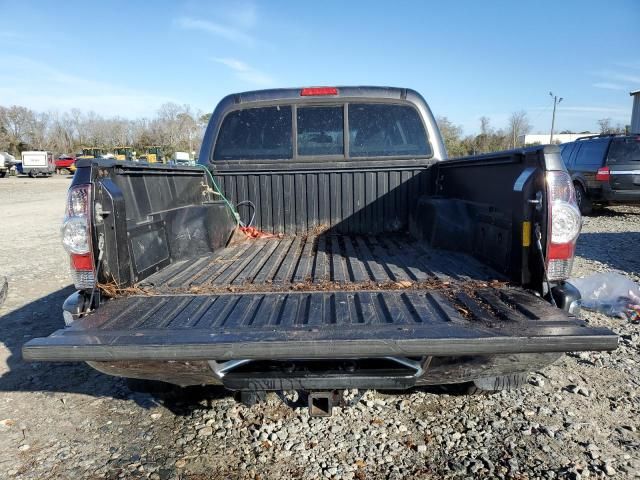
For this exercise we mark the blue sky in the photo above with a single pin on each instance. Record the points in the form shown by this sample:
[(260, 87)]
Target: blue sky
[(467, 58)]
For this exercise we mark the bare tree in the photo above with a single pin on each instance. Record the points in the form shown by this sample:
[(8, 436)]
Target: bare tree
[(483, 140), (518, 125), (169, 122), (4, 134), (39, 131), (61, 132), (605, 125), (17, 123)]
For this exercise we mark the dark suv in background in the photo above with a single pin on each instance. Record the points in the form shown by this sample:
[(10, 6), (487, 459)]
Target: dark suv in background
[(605, 169)]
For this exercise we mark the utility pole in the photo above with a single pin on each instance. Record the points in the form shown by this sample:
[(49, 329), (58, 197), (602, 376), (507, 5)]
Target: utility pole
[(556, 101)]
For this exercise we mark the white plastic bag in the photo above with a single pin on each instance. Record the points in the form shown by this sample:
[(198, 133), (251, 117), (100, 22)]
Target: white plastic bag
[(610, 293)]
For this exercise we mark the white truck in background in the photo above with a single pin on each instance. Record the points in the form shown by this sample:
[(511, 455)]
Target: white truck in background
[(182, 158), (36, 163), (7, 162)]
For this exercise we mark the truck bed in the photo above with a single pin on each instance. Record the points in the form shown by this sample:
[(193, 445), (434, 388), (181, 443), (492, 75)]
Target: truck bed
[(317, 262), (321, 296)]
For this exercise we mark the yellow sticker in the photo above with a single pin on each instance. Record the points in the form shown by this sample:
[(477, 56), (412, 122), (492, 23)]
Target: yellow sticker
[(526, 234)]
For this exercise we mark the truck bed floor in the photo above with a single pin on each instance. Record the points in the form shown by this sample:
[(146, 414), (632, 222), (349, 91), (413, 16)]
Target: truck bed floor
[(308, 263)]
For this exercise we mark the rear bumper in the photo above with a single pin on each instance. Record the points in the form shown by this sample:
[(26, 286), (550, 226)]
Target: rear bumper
[(432, 371), (623, 196)]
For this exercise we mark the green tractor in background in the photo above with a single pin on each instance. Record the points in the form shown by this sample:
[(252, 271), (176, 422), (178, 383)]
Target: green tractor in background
[(153, 154), (124, 153), (92, 152)]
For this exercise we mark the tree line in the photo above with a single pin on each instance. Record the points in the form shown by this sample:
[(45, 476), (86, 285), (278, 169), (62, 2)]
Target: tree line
[(488, 140), (180, 128), (174, 127), (491, 140)]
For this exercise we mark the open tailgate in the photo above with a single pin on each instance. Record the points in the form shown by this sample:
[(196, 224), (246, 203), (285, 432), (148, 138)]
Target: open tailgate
[(311, 325)]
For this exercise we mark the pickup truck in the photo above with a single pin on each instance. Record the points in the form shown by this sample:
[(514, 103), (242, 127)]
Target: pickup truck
[(323, 244)]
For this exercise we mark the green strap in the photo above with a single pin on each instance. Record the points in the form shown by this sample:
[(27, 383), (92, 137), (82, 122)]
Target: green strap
[(217, 189)]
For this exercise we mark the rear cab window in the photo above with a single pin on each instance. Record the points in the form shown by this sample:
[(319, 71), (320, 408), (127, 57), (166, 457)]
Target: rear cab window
[(262, 133), (320, 130), (349, 130), (386, 130)]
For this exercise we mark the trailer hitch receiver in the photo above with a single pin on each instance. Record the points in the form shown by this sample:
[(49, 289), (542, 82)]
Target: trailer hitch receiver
[(321, 403)]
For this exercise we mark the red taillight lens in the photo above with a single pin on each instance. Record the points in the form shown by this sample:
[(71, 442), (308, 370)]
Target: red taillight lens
[(603, 174), (318, 91), (76, 236), (560, 251), (82, 262), (564, 225)]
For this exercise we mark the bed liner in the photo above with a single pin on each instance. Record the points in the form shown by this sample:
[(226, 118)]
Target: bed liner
[(320, 262), (321, 297)]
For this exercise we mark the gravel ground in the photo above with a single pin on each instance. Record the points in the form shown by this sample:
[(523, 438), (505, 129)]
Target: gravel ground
[(578, 418)]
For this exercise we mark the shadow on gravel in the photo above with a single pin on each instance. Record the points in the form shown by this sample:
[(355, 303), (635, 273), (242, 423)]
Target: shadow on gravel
[(184, 401), (39, 319), (611, 213), (619, 250), (42, 317)]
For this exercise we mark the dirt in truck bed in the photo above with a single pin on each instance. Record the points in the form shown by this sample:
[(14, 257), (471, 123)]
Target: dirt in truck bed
[(322, 263)]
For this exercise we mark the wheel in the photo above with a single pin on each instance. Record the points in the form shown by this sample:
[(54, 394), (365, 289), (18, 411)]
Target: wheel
[(488, 385), (3, 173), (33, 174), (584, 204)]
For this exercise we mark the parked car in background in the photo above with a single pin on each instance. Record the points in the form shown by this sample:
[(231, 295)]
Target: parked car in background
[(605, 169), (38, 163), (6, 162), (65, 164)]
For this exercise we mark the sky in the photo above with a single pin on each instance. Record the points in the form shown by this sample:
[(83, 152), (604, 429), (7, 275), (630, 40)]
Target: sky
[(467, 58)]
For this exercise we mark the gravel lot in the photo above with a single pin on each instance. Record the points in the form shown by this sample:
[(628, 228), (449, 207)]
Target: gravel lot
[(579, 418)]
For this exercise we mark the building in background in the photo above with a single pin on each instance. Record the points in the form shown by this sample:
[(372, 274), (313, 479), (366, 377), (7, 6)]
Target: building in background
[(544, 138), (635, 113)]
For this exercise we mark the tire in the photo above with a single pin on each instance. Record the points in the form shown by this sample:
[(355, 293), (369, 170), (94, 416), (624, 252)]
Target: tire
[(584, 204), (33, 174), (3, 173), (483, 386)]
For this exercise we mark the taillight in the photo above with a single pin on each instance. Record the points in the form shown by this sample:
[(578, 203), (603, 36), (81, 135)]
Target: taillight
[(603, 174), (76, 236), (318, 91), (565, 222)]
